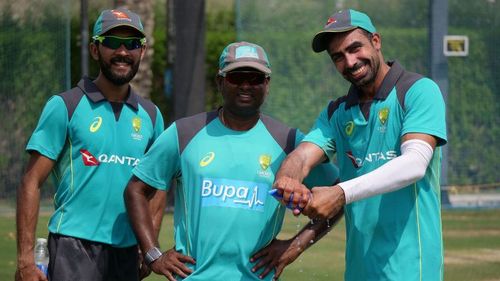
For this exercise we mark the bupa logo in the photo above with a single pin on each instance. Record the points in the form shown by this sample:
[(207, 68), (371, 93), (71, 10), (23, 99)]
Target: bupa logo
[(233, 194)]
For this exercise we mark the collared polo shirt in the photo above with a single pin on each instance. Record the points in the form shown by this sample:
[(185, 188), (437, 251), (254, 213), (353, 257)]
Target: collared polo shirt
[(94, 145), (397, 235), (223, 212)]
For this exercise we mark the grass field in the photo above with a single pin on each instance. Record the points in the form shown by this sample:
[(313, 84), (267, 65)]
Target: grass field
[(472, 248)]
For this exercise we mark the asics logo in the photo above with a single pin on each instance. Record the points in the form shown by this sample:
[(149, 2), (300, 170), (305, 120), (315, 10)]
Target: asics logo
[(207, 159), (96, 124)]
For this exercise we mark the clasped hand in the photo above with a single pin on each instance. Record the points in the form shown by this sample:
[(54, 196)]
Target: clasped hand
[(322, 202)]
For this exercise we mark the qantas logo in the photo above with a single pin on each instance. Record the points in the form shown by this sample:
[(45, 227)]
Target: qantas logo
[(371, 157), (91, 160), (353, 159), (330, 21), (119, 15), (88, 158)]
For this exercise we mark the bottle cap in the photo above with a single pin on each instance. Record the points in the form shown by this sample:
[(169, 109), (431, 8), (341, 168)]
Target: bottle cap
[(41, 241)]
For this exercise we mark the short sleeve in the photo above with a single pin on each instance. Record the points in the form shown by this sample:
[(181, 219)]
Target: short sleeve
[(425, 110), (49, 136), (161, 162), (160, 125), (325, 174), (322, 134)]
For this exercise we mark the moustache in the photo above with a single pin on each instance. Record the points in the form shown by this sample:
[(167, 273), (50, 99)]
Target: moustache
[(122, 59), (353, 68)]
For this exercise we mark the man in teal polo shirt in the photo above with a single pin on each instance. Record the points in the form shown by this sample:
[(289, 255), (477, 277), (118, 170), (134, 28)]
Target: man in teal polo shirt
[(224, 163), (387, 133), (90, 138)]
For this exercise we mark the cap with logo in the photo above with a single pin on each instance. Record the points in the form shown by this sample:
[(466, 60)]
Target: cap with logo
[(244, 54), (110, 19), (341, 21)]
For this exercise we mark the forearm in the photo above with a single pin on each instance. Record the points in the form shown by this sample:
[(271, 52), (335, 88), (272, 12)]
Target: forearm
[(136, 201), (157, 208), (293, 167), (315, 230), (299, 162), (28, 198)]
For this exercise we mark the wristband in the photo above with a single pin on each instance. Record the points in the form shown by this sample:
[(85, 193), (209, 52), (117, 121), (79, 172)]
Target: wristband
[(152, 255)]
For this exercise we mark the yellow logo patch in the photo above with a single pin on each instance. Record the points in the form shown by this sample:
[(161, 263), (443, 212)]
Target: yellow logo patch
[(265, 161), (96, 124), (383, 114), (207, 159), (136, 124)]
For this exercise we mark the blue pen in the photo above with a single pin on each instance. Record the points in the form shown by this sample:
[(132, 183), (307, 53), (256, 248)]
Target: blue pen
[(274, 193)]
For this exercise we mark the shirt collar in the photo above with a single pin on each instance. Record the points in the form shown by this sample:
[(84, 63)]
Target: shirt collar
[(388, 84), (94, 94)]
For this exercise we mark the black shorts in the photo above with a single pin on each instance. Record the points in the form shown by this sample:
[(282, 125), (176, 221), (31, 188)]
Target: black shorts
[(82, 260)]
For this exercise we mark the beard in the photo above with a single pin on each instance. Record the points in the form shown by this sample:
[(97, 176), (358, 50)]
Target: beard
[(373, 66), (115, 78)]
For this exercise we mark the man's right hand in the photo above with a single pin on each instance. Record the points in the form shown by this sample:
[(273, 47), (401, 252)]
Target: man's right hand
[(294, 193), (30, 273), (327, 201), (171, 264)]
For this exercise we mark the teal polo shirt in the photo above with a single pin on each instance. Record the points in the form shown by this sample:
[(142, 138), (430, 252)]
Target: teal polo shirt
[(397, 235), (223, 213), (95, 146)]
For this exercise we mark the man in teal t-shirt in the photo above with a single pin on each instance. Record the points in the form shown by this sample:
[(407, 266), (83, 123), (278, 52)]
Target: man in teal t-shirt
[(90, 138), (224, 163), (387, 134)]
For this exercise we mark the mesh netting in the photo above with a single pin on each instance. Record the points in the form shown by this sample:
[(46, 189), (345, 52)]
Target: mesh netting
[(303, 82), (34, 59)]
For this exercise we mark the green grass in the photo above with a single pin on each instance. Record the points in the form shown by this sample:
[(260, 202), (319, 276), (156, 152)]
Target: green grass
[(471, 239)]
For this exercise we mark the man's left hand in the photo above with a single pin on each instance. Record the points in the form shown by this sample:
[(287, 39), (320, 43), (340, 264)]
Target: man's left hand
[(277, 256), (326, 202)]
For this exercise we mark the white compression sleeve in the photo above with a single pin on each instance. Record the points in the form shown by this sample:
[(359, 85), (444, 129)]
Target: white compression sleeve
[(399, 172)]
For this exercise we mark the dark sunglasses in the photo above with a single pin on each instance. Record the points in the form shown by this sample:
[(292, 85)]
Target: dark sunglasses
[(114, 42), (239, 77)]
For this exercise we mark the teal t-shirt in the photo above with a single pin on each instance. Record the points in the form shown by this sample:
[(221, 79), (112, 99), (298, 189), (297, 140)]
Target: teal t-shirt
[(397, 235), (94, 152), (223, 213)]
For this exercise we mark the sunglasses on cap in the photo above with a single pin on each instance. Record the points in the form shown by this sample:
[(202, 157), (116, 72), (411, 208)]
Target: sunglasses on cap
[(239, 77), (114, 42)]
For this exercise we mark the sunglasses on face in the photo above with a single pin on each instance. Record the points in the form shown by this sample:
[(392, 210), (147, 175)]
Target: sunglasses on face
[(114, 42), (239, 77)]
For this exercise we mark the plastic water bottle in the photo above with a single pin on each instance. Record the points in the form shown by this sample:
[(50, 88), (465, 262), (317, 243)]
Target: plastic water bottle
[(42, 255)]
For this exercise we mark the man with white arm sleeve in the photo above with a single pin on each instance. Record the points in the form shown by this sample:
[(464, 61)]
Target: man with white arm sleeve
[(387, 134)]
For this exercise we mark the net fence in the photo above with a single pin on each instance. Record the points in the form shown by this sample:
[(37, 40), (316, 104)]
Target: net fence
[(303, 82), (34, 59), (35, 64)]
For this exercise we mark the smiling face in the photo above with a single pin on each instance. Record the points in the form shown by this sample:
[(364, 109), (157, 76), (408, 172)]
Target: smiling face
[(119, 65), (245, 93), (357, 56)]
